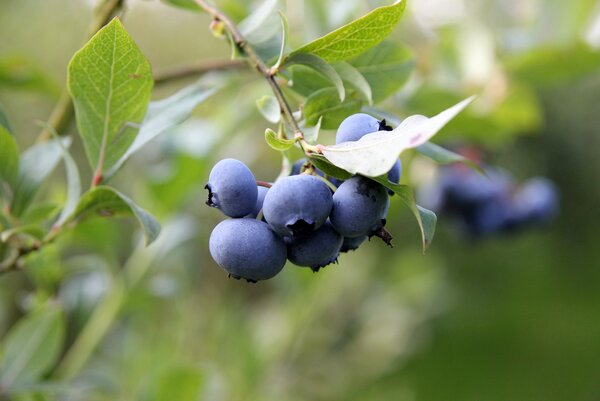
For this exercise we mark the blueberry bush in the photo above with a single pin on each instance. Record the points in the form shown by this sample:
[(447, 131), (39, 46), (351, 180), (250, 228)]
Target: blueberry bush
[(148, 150)]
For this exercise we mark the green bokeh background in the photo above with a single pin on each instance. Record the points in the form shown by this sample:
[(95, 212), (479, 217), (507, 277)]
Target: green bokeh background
[(505, 318)]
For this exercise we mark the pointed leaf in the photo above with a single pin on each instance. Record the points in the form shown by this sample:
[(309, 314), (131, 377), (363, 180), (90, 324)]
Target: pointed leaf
[(4, 122), (325, 166), (277, 143), (321, 66), (311, 134), (284, 40), (32, 347), (269, 108), (166, 113), (357, 36), (9, 159), (355, 79), (36, 165), (426, 218), (260, 26), (73, 187), (107, 201), (326, 104), (386, 67), (375, 154), (185, 4), (110, 82)]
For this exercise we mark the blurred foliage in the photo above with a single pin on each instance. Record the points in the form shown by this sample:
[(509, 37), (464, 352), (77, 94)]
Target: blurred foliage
[(504, 318)]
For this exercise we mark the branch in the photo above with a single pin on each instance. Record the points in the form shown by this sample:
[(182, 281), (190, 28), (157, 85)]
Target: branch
[(198, 68), (260, 66)]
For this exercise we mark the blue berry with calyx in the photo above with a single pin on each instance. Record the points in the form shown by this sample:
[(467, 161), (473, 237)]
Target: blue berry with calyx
[(359, 207), (232, 188), (358, 125), (317, 249), (247, 249), (297, 204)]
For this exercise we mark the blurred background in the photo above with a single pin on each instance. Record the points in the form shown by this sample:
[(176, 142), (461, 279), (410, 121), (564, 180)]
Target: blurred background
[(509, 317)]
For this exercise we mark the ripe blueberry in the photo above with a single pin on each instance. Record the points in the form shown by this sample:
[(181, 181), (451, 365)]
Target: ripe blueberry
[(317, 249), (356, 126), (351, 244), (297, 204), (359, 207), (232, 188), (262, 191), (247, 248)]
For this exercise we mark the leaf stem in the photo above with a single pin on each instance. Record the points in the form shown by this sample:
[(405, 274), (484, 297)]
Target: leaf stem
[(258, 64)]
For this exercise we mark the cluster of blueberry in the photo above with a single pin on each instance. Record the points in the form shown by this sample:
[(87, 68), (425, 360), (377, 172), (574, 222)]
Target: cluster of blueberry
[(303, 219), (491, 203)]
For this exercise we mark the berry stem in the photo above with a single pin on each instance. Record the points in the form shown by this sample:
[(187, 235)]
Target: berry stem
[(263, 184), (259, 65)]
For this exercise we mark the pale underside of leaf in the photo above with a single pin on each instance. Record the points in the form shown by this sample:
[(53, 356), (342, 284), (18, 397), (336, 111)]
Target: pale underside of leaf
[(375, 154)]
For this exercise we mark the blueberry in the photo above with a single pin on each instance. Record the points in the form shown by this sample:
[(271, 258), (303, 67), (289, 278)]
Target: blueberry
[(317, 249), (262, 191), (248, 249), (359, 207), (491, 216), (355, 127), (352, 244), (232, 188), (537, 199), (297, 204)]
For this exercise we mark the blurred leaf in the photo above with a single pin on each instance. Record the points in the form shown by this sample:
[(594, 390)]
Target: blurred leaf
[(73, 187), (36, 165), (269, 108), (22, 74), (442, 155), (355, 79), (374, 154), (325, 166), (357, 36), (106, 201), (185, 4), (9, 159), (180, 383), (311, 134), (307, 81), (111, 83), (284, 40), (321, 66), (35, 231), (326, 104), (4, 122), (40, 212), (555, 66), (259, 26), (279, 144), (426, 218), (32, 347), (386, 67), (166, 113)]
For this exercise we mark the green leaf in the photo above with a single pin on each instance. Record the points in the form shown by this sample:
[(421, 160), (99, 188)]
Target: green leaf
[(355, 79), (73, 187), (111, 83), (323, 164), (106, 201), (426, 219), (36, 165), (32, 347), (9, 159), (166, 113), (22, 74), (442, 155), (357, 36), (374, 154), (35, 231), (4, 122), (386, 67), (269, 108), (280, 144), (179, 383), (260, 25), (185, 4), (284, 40), (306, 81), (321, 66), (311, 134), (325, 103)]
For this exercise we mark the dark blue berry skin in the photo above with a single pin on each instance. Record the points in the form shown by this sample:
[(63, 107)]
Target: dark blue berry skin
[(538, 200), (248, 249), (262, 191), (232, 188), (491, 217), (352, 244), (395, 172), (359, 207), (317, 249), (355, 127), (297, 204)]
